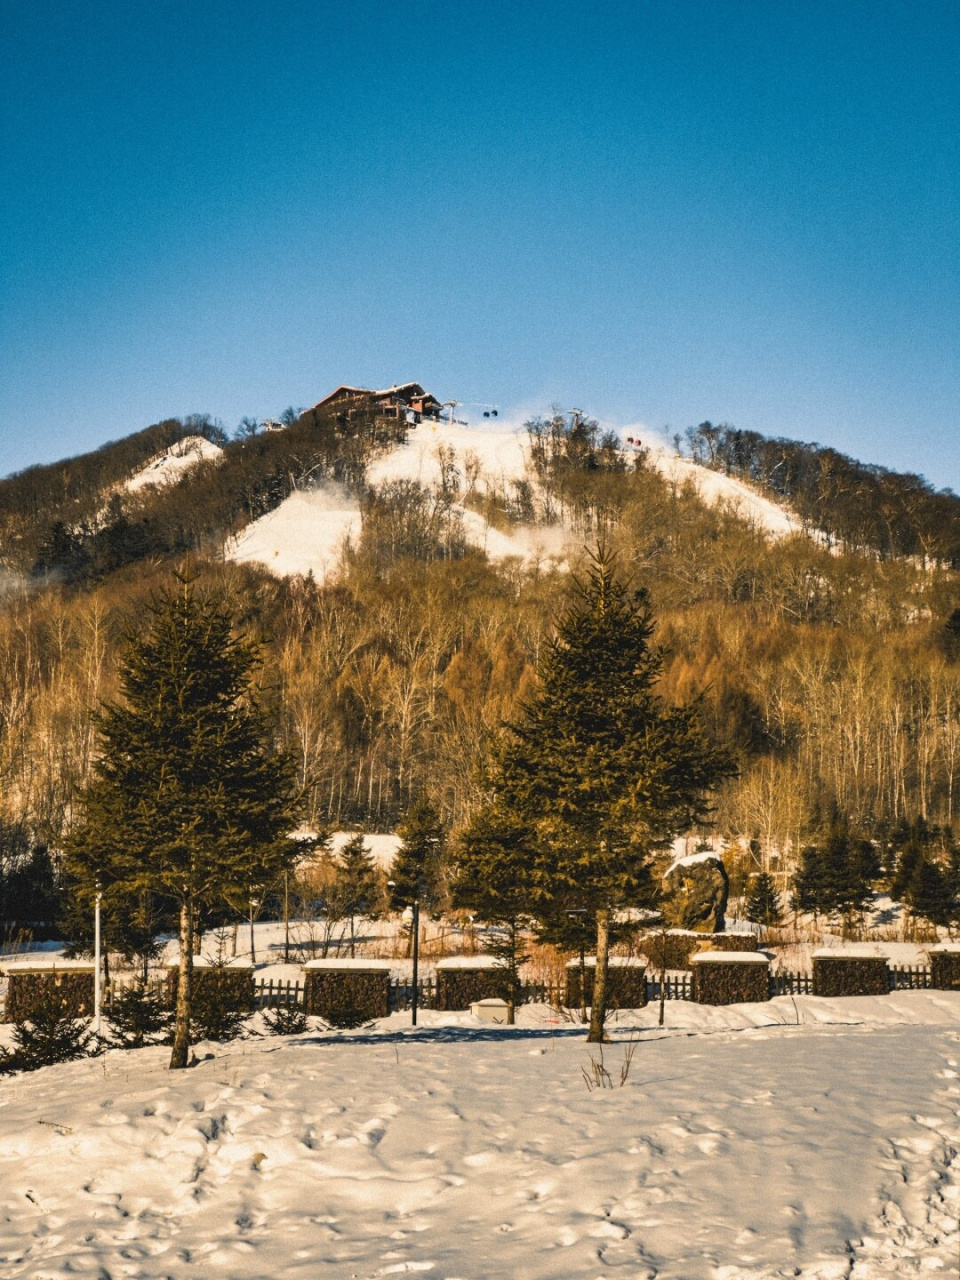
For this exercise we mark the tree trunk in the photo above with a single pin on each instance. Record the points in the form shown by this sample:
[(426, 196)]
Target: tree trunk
[(598, 1008), (181, 1026)]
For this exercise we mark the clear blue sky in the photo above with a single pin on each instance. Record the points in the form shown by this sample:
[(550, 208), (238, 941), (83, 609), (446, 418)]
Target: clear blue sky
[(744, 211)]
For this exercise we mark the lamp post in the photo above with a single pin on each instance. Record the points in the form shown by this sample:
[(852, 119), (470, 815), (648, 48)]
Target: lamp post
[(96, 961), (254, 903), (416, 959), (286, 917), (415, 925), (578, 913)]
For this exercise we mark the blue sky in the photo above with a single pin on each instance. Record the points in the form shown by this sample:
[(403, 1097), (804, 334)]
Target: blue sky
[(743, 211)]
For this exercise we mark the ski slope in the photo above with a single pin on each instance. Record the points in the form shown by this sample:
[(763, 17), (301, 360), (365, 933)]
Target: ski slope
[(170, 466), (809, 1138), (308, 531), (714, 487)]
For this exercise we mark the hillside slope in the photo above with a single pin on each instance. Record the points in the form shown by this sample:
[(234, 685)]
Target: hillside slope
[(308, 531)]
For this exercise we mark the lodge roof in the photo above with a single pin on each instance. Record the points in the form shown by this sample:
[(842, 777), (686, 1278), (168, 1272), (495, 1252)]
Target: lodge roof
[(405, 390)]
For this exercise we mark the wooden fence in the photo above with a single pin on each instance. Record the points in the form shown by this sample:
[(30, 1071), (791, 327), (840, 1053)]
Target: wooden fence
[(909, 977), (785, 983), (271, 993)]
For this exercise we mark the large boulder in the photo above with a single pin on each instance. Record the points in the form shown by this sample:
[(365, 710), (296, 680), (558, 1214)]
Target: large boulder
[(695, 892)]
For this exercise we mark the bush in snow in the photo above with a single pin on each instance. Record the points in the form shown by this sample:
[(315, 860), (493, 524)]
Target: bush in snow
[(286, 1020), (732, 942), (222, 999), (48, 1034), (626, 984), (670, 950), (460, 988), (139, 1016), (945, 970), (720, 978)]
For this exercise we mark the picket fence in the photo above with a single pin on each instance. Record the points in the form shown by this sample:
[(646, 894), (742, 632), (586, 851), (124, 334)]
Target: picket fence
[(271, 993)]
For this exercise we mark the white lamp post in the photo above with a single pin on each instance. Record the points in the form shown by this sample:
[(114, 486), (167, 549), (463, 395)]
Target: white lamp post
[(96, 962)]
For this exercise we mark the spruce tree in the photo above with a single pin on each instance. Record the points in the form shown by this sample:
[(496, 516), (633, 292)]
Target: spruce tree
[(51, 1033), (929, 893), (356, 890), (139, 1016), (188, 800), (810, 882), (418, 866), (763, 904), (492, 876), (599, 769), (835, 876)]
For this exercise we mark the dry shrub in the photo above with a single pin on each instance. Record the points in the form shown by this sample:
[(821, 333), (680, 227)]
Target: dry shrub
[(28, 992), (945, 970), (850, 976), (726, 982), (626, 987), (346, 998)]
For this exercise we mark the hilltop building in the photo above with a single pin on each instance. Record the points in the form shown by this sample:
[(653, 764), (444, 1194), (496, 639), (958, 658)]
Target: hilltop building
[(408, 401)]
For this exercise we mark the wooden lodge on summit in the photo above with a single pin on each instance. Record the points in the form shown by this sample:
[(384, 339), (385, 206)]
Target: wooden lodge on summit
[(407, 401)]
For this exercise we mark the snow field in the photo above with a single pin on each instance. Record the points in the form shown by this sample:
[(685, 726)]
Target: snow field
[(168, 468), (715, 487), (735, 1151), (308, 531)]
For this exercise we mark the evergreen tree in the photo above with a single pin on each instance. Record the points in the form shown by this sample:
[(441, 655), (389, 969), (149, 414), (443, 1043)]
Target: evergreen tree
[(217, 1009), (492, 878), (912, 842), (418, 866), (356, 890), (927, 874), (810, 882), (763, 904), (138, 1016), (187, 798), (951, 872), (835, 876), (929, 893), (855, 866), (597, 767), (286, 1020), (50, 1034)]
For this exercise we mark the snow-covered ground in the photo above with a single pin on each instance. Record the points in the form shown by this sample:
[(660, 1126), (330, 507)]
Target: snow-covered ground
[(169, 467), (307, 532), (715, 487), (806, 1137)]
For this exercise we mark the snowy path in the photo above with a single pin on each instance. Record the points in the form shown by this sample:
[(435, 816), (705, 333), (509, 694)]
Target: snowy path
[(822, 1150)]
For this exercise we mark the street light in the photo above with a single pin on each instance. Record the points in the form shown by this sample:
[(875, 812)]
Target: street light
[(415, 925), (254, 903), (96, 961), (578, 913)]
